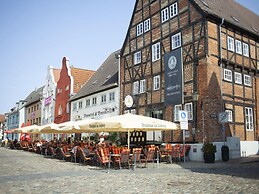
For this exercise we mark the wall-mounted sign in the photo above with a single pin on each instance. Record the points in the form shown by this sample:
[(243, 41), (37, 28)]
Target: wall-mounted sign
[(128, 101)]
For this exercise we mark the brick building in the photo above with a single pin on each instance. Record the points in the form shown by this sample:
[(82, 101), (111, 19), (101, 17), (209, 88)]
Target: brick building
[(197, 55), (70, 82)]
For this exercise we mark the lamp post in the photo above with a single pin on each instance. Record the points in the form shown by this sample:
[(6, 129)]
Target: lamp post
[(195, 98)]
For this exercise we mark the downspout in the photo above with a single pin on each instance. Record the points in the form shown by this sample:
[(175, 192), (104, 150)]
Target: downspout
[(220, 59)]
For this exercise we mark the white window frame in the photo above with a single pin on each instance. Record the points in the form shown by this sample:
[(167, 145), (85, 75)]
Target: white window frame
[(245, 49), (238, 78), (67, 108), (156, 82), (60, 109), (231, 44), (94, 101), (147, 25), (228, 75), (173, 10), (139, 29), (137, 57), (238, 47), (176, 40), (87, 102), (247, 80), (136, 87), (80, 105), (112, 96), (229, 115), (164, 15), (249, 119), (189, 108), (103, 98), (156, 53), (142, 86), (177, 108), (74, 107)]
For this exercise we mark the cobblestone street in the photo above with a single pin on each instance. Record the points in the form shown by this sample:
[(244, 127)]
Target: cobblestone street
[(25, 172)]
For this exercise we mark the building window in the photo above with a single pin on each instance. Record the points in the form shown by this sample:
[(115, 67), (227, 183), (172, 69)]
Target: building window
[(156, 52), (173, 10), (67, 88), (137, 57), (94, 101), (247, 80), (164, 15), (67, 108), (29, 110), (176, 112), (147, 25), (112, 96), (139, 29), (228, 75), (80, 105), (188, 108), (249, 120), (245, 50), (135, 87), (238, 47), (238, 78), (229, 115), (176, 41), (103, 100), (157, 82), (87, 102), (142, 87), (60, 110), (230, 44), (74, 106), (59, 90)]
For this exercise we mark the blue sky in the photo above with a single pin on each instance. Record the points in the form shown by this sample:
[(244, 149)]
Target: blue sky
[(38, 33)]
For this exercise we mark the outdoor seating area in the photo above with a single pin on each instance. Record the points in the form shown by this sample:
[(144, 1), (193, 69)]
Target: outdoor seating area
[(105, 155)]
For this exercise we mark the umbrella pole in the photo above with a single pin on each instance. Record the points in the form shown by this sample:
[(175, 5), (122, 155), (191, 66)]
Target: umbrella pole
[(128, 139)]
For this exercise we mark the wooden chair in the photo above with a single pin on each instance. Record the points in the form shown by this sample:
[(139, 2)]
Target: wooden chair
[(185, 152), (175, 154), (136, 156), (149, 157), (52, 152), (82, 157), (102, 160)]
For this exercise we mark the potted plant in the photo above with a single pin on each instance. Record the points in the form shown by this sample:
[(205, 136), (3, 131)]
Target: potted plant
[(209, 151)]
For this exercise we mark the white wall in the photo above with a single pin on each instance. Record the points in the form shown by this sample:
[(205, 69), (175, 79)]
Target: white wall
[(249, 148)]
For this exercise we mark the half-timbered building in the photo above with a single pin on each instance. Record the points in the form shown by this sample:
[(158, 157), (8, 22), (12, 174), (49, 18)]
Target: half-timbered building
[(200, 56)]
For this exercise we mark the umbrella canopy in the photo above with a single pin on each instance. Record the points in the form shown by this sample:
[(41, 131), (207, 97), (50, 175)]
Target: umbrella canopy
[(92, 125), (131, 122), (28, 129), (49, 128)]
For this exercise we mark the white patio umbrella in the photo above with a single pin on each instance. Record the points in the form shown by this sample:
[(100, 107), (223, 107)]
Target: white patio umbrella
[(49, 128), (28, 129), (130, 122)]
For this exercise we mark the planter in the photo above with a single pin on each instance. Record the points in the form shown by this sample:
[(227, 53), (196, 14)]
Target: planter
[(209, 157)]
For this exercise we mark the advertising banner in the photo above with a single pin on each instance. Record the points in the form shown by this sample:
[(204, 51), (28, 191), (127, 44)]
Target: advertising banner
[(173, 77)]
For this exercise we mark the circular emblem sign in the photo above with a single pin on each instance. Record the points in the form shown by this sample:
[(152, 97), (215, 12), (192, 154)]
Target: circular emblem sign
[(128, 101), (172, 62)]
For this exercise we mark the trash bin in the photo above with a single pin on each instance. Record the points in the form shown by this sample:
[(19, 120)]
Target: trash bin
[(225, 153)]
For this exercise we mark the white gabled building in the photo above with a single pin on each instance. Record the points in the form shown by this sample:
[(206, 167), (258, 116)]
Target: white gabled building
[(99, 97), (49, 96)]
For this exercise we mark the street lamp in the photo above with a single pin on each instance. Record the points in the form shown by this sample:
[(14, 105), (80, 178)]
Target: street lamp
[(195, 98)]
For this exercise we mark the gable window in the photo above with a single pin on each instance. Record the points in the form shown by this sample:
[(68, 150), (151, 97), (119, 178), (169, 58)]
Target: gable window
[(94, 101), (147, 25), (156, 51), (139, 29), (112, 96), (164, 15), (230, 44), (188, 108), (142, 87), (176, 112), (80, 105), (60, 110), (247, 80), (137, 57), (238, 47), (87, 102), (238, 78), (135, 87), (230, 115), (245, 50), (157, 82), (228, 75), (249, 120), (176, 41), (173, 10)]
